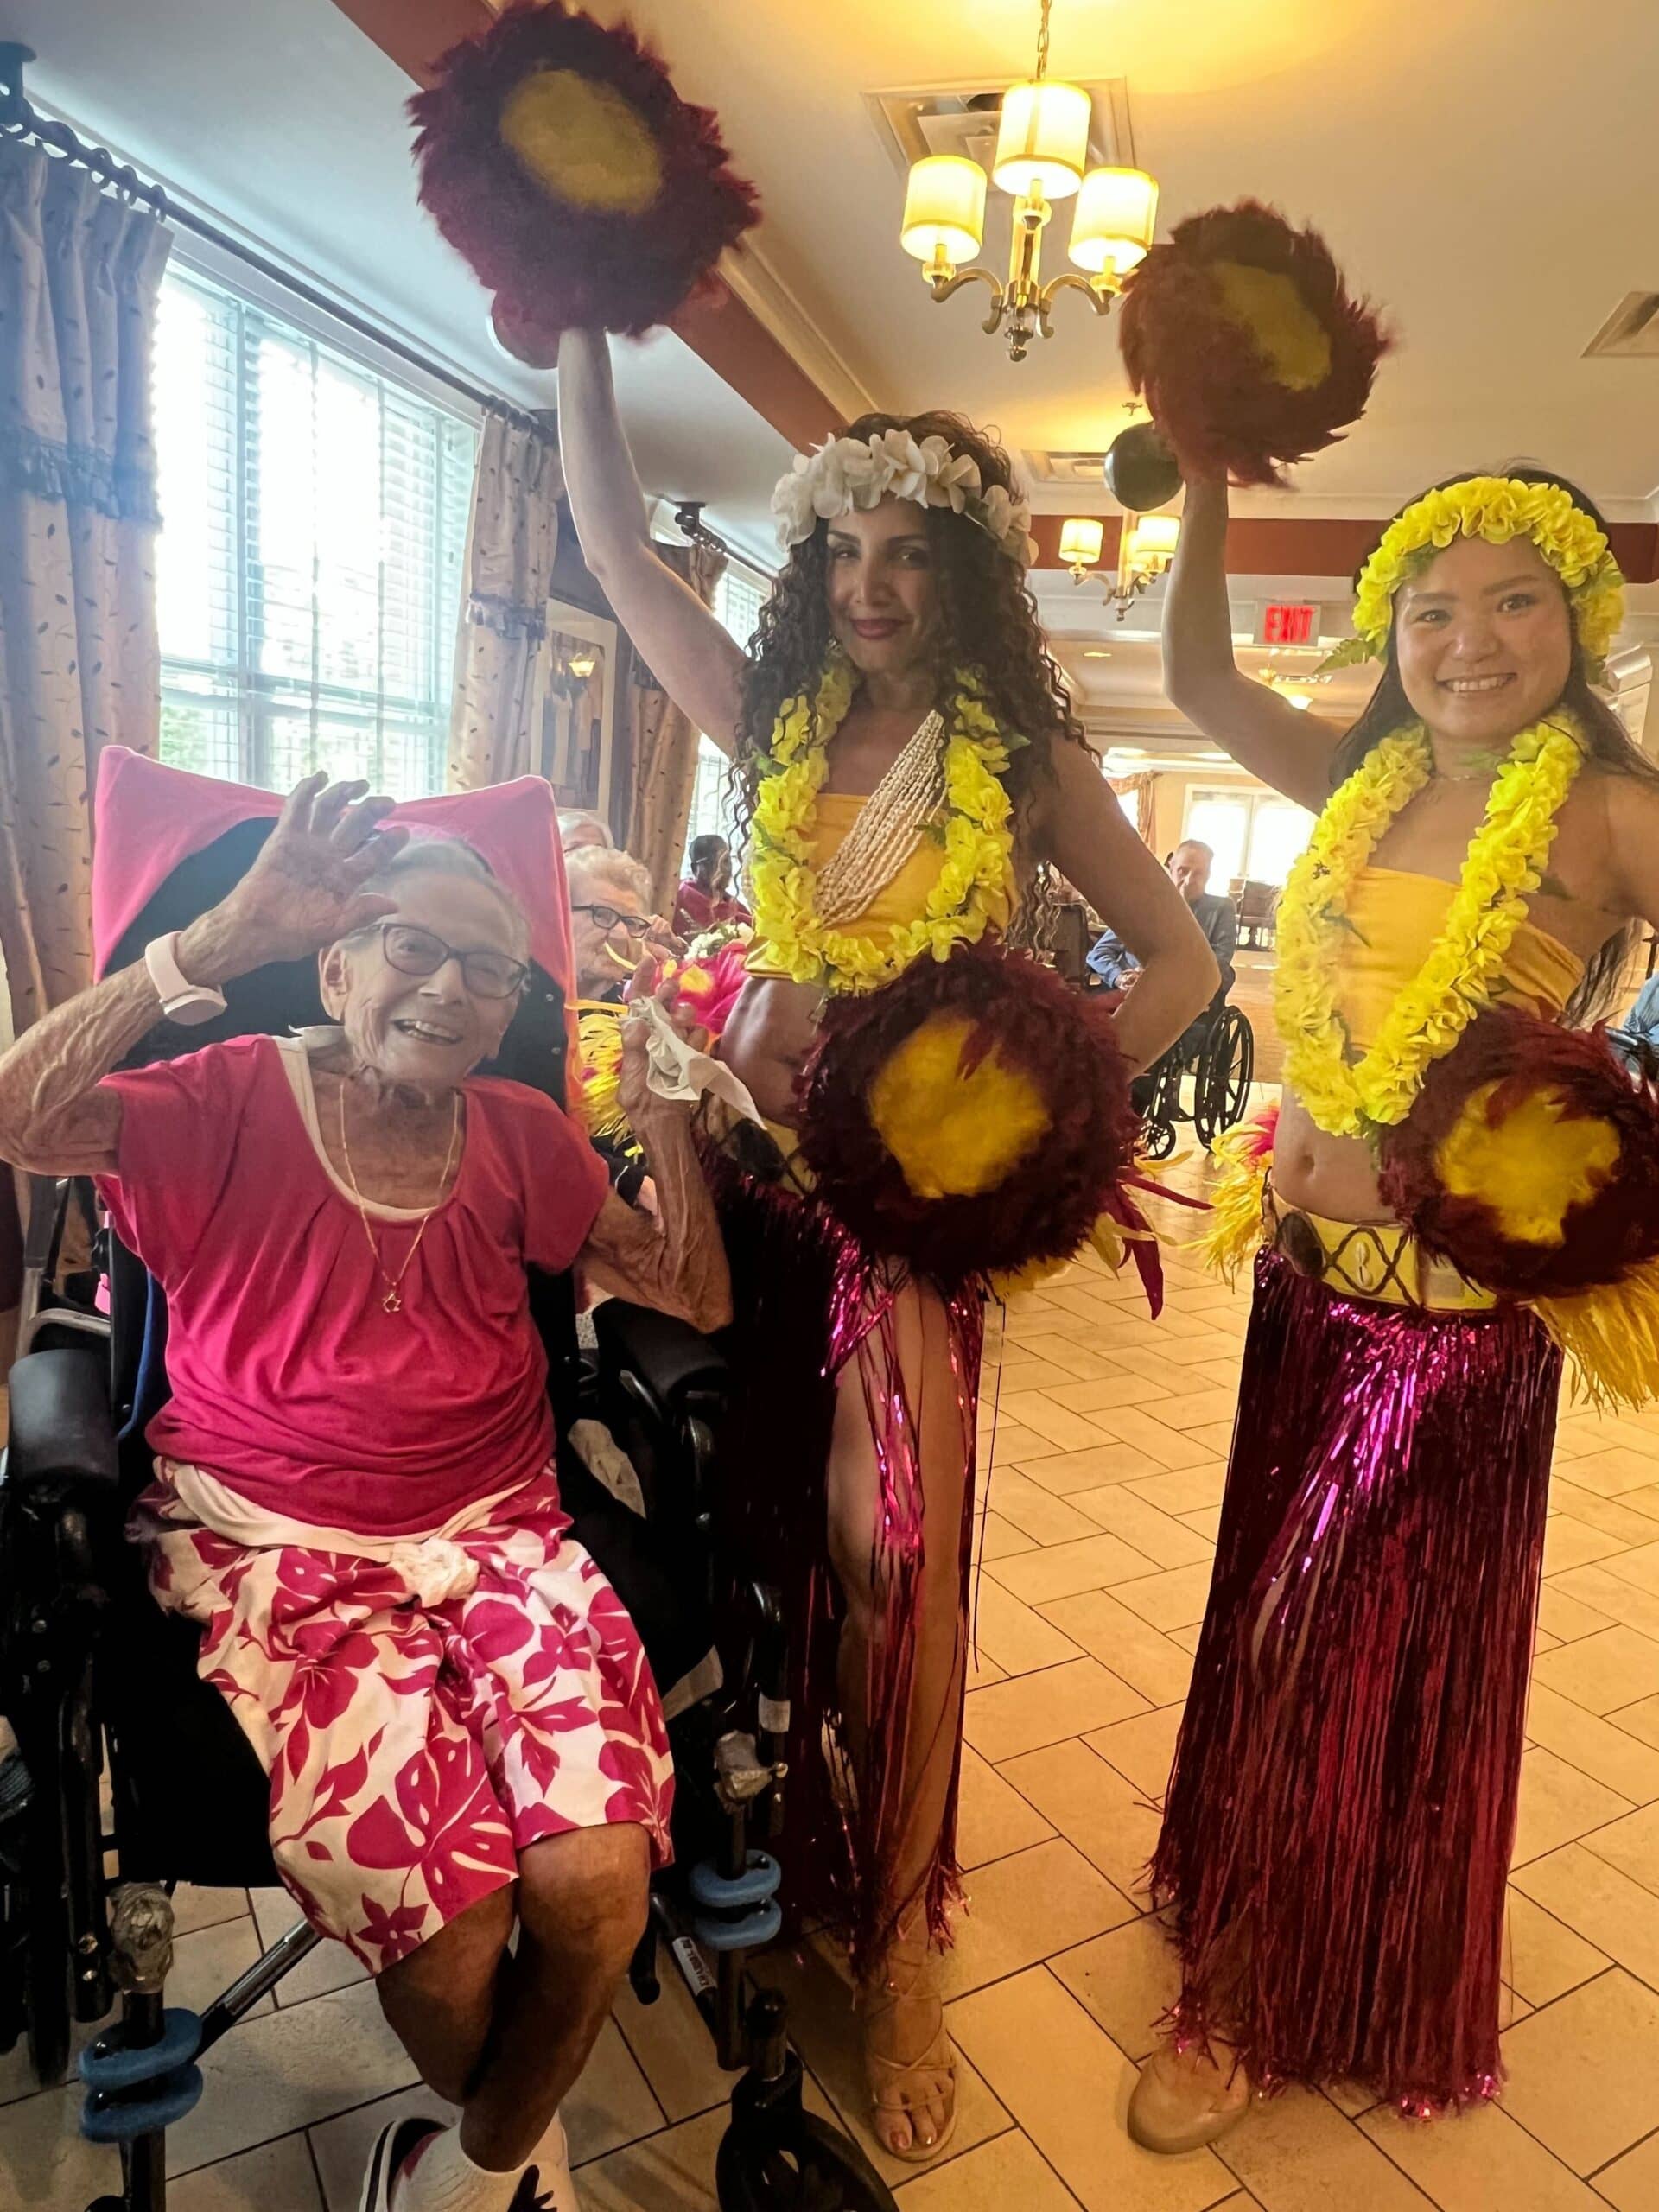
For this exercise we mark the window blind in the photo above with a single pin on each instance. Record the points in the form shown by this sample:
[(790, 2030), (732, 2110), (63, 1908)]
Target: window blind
[(309, 569)]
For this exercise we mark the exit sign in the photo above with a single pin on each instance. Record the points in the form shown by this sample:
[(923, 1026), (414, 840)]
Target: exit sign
[(1284, 623)]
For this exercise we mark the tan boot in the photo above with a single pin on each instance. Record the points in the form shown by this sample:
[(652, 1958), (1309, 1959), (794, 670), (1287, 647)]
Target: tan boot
[(1185, 2099)]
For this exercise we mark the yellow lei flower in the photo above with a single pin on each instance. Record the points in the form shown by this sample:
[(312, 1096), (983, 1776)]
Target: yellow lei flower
[(1504, 864), (1497, 509), (972, 893)]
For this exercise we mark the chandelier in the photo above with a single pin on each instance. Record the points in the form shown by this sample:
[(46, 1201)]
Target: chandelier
[(1146, 547), (1042, 156)]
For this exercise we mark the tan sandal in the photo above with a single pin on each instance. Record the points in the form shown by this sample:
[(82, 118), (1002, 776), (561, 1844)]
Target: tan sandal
[(913, 1975), (1185, 2099)]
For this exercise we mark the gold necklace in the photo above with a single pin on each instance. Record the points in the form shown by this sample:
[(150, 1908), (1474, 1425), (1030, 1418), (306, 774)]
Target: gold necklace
[(393, 1301)]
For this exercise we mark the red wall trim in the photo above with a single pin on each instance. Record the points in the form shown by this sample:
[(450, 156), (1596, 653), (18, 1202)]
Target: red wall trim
[(1286, 545)]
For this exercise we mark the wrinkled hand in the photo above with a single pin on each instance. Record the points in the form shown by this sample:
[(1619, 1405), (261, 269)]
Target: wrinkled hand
[(305, 890), (639, 1103)]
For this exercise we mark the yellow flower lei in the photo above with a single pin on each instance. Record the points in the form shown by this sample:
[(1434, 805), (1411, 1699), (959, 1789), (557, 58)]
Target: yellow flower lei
[(1497, 508), (973, 890), (1361, 1097)]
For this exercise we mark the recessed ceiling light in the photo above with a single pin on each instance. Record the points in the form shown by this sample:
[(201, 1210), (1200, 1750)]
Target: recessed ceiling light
[(1094, 653)]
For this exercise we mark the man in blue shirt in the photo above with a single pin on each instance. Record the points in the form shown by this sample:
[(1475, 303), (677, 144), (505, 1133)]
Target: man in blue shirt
[(1189, 871)]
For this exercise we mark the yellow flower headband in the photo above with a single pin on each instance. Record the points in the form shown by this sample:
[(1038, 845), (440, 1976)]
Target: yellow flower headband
[(1497, 508)]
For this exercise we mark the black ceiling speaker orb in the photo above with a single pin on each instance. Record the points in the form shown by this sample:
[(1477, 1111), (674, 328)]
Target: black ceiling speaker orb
[(1141, 471)]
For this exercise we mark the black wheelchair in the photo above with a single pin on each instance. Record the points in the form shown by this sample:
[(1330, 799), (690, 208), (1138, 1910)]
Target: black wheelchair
[(138, 1778), (1217, 1056)]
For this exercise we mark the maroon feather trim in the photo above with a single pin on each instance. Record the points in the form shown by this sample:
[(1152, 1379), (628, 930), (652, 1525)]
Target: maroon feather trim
[(1050, 1201), (1209, 387), (1607, 1237), (555, 266)]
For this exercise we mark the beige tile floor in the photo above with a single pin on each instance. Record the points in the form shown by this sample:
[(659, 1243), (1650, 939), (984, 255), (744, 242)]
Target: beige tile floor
[(1109, 1438)]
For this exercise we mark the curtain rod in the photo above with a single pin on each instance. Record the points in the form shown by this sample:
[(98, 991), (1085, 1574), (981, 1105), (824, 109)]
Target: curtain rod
[(20, 120)]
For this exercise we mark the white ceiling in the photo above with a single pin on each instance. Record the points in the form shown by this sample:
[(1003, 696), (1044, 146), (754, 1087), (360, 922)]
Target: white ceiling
[(1488, 169)]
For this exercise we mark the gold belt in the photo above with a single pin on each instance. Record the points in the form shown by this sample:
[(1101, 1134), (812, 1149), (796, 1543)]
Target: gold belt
[(1379, 1259)]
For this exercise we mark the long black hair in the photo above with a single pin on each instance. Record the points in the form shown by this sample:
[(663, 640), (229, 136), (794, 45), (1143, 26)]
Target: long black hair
[(1607, 741)]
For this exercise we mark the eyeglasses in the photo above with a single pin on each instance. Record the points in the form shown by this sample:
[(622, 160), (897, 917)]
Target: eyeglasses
[(606, 919), (413, 951)]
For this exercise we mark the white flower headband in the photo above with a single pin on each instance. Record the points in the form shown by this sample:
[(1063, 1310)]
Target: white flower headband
[(845, 474)]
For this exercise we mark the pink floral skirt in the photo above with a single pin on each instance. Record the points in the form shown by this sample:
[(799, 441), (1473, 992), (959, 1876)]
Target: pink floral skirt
[(423, 1720)]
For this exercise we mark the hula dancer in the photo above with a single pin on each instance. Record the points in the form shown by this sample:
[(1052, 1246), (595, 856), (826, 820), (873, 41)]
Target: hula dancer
[(1456, 1188), (907, 763)]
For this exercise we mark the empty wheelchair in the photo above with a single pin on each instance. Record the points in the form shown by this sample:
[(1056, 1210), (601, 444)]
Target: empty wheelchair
[(1205, 1078), (139, 1778)]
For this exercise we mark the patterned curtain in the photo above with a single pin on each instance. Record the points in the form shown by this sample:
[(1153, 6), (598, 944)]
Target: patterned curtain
[(663, 749), (79, 662), (509, 548), (1143, 789)]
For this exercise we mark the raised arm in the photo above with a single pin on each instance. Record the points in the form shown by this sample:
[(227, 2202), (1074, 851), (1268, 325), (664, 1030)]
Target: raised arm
[(691, 654), (301, 893), (1081, 828), (1286, 748)]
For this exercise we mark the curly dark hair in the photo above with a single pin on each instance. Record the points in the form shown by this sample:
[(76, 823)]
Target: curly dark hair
[(1606, 741), (988, 622)]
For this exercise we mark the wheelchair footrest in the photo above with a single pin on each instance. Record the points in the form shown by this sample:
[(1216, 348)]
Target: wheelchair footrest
[(112, 2069), (135, 2089), (123, 2119), (746, 1931), (717, 1892)]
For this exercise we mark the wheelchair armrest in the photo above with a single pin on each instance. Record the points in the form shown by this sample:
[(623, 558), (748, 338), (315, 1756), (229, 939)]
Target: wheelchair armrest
[(62, 1436), (681, 1369)]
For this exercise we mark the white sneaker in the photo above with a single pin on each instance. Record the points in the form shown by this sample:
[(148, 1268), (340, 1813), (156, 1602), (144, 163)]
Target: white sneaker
[(547, 2186), (391, 2147)]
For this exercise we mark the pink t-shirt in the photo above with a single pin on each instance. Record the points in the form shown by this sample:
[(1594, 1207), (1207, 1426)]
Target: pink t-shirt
[(290, 1381)]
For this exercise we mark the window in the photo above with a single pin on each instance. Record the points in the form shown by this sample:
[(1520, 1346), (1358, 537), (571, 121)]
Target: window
[(1255, 834), (309, 563), (738, 597)]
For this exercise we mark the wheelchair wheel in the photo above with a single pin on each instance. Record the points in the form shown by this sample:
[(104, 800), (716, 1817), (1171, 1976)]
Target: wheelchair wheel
[(803, 2166), (1221, 1090), (47, 1960), (1158, 1138)]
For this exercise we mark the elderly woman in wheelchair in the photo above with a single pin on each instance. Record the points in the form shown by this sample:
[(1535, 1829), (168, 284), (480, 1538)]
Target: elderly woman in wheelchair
[(354, 1491)]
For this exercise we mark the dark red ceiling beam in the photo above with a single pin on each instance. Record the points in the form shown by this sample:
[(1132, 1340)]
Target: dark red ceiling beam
[(720, 331), (1289, 546)]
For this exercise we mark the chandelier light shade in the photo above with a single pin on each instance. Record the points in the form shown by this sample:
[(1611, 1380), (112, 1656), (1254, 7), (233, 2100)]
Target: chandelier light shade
[(1042, 156), (1155, 538), (944, 209), (1081, 538), (1042, 145), (1114, 221)]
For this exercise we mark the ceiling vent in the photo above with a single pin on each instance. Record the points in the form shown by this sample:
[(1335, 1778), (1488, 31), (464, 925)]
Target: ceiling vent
[(1631, 332), (1068, 469), (962, 119)]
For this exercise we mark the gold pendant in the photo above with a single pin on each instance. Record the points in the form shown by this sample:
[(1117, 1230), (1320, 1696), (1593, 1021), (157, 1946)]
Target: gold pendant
[(391, 1303)]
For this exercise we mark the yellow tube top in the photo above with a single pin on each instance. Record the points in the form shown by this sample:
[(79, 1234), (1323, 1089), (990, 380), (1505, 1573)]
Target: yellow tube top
[(1394, 920), (902, 901)]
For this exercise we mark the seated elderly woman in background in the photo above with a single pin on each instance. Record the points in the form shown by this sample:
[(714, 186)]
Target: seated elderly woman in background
[(354, 1491), (581, 830), (611, 920)]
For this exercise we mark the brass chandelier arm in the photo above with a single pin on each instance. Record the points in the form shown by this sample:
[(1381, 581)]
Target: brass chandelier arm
[(942, 287), (1099, 298)]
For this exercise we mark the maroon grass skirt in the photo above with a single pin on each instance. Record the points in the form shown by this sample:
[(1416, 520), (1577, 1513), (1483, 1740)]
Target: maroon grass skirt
[(815, 1311), (1341, 1811)]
